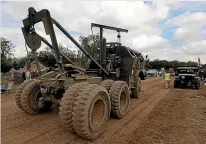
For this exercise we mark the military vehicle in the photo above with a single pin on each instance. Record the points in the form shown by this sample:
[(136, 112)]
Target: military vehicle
[(187, 76), (87, 97)]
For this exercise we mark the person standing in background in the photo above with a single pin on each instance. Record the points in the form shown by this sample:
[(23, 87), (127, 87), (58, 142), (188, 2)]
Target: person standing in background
[(167, 78), (28, 73)]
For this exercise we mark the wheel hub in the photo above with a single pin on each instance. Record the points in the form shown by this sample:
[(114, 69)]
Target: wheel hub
[(41, 102), (98, 113), (123, 101)]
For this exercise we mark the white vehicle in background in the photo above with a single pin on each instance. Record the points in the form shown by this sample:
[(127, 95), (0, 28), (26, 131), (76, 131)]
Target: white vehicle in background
[(151, 72)]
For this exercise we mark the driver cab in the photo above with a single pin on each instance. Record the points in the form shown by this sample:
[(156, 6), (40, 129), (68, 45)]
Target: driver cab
[(187, 70)]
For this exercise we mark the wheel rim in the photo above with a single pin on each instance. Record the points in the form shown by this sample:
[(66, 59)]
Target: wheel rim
[(38, 95), (35, 94), (98, 113), (35, 99), (123, 100)]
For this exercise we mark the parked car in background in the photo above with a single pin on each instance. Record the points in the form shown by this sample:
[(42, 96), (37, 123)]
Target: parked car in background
[(187, 76), (161, 72), (151, 72)]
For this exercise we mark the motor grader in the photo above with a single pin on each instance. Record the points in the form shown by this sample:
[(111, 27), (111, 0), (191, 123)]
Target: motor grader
[(86, 97)]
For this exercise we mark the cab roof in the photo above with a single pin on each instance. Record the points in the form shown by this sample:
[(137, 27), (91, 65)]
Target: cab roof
[(187, 68)]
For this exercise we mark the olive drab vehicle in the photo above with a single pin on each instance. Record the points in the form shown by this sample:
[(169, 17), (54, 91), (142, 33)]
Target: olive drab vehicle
[(187, 76), (87, 97)]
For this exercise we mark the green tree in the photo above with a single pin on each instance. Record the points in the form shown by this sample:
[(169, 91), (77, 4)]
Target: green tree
[(157, 64), (22, 61), (47, 57), (7, 49), (67, 52), (91, 44), (147, 64)]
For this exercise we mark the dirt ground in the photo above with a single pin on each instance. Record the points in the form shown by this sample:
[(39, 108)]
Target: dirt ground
[(158, 116)]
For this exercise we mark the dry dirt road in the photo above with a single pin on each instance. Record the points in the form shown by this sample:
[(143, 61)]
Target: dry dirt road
[(146, 122)]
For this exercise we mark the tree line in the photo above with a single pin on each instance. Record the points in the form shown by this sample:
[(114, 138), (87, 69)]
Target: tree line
[(158, 64), (90, 43)]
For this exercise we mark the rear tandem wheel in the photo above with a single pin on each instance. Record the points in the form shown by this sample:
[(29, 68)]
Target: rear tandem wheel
[(91, 111), (30, 97), (120, 98)]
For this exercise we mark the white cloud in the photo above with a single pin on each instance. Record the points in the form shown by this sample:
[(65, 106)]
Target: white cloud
[(190, 31), (149, 43), (196, 19), (189, 26), (140, 19), (196, 48), (188, 34), (15, 35)]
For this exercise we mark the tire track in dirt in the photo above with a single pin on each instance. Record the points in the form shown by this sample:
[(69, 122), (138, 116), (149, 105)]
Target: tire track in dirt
[(20, 117), (19, 127), (130, 121), (178, 118), (123, 134), (29, 129), (21, 121)]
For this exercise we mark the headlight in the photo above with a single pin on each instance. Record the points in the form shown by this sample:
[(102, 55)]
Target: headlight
[(198, 78), (183, 77)]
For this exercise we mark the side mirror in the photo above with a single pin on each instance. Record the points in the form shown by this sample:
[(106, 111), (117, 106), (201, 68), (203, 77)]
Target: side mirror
[(146, 56)]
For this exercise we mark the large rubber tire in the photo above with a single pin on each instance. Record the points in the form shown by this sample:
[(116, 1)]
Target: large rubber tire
[(120, 98), (91, 111), (19, 92), (29, 99), (197, 86), (67, 104), (175, 84), (140, 85), (107, 84), (135, 91)]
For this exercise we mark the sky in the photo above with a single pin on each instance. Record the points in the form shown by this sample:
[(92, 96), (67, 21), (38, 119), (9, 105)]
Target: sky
[(165, 30)]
